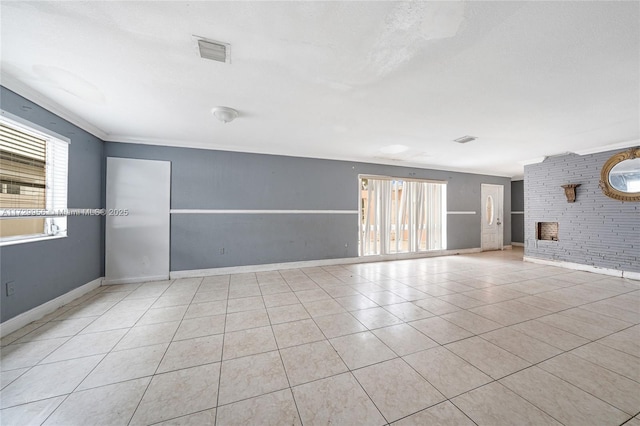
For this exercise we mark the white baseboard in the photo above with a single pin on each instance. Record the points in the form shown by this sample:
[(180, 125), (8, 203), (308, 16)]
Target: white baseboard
[(17, 322), (586, 268), (107, 281), (314, 263), (631, 275), (517, 244)]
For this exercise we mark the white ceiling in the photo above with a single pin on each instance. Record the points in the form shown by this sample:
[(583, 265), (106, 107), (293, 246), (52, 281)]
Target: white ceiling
[(339, 80)]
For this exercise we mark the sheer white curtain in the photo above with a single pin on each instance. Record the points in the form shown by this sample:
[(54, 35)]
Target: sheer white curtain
[(402, 216)]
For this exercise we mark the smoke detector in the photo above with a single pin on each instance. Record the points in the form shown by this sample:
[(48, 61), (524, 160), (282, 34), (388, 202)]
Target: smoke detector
[(465, 139), (214, 50)]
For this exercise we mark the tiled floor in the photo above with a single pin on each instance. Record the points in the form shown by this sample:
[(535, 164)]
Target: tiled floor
[(480, 339)]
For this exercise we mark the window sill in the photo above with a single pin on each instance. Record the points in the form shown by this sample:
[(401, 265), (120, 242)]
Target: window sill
[(31, 240)]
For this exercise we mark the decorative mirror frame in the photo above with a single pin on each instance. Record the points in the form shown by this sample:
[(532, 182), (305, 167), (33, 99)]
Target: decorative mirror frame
[(606, 187)]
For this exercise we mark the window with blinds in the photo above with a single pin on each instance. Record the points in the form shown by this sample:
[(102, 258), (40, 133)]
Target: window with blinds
[(33, 182)]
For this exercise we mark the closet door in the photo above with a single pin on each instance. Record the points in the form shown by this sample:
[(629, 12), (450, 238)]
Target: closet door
[(137, 221)]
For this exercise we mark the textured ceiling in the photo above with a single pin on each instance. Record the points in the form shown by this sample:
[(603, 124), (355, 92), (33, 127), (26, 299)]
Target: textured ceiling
[(340, 80)]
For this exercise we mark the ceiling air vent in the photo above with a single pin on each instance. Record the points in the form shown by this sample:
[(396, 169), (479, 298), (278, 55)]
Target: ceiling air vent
[(465, 139), (214, 50)]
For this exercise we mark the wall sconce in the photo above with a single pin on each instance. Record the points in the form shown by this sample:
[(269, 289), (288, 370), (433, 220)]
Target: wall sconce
[(570, 191)]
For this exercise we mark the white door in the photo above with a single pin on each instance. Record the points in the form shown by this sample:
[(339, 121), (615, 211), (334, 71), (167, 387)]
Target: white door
[(137, 222), (492, 216)]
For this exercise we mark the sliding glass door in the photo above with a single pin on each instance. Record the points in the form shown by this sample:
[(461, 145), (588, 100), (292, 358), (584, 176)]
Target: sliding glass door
[(401, 215)]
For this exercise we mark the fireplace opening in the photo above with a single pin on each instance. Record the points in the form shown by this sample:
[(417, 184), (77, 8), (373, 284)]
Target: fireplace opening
[(547, 231)]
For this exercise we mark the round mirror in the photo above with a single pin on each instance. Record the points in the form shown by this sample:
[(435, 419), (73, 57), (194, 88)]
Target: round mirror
[(620, 176), (625, 176)]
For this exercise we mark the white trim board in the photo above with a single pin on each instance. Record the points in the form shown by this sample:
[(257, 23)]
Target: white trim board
[(17, 322), (106, 281), (586, 268), (517, 212), (38, 98), (247, 211), (461, 212), (313, 263)]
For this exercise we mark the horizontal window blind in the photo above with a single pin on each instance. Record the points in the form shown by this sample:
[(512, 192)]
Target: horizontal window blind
[(22, 169), (33, 176)]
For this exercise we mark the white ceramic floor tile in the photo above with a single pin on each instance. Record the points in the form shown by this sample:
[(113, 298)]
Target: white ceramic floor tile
[(19, 355), (617, 390), (201, 418), (48, 380), (355, 302), (248, 342), (627, 341), (404, 339), (245, 304), (449, 374), (57, 329), (471, 322), (487, 357), (376, 318), (310, 362), (553, 336), (6, 377), (339, 325), (198, 391), (287, 313), (125, 365), (106, 405), (148, 335), (396, 389), (191, 353), (273, 409), (159, 315), (205, 309), (494, 404), (323, 307), (443, 414), (561, 400), (612, 359), (199, 327), (408, 311), (113, 320), (297, 333), (519, 344), (440, 330), (336, 400), (32, 414), (86, 345), (251, 376), (361, 349), (245, 320)]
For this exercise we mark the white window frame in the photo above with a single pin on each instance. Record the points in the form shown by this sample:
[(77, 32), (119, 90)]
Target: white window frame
[(57, 178)]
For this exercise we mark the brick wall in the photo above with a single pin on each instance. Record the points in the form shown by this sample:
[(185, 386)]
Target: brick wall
[(595, 230)]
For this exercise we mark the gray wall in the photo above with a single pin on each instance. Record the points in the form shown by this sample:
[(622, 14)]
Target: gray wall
[(204, 179), (517, 205), (45, 270), (595, 230)]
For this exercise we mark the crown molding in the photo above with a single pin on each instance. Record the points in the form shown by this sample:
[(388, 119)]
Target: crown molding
[(175, 143), (611, 147), (532, 161), (38, 98)]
